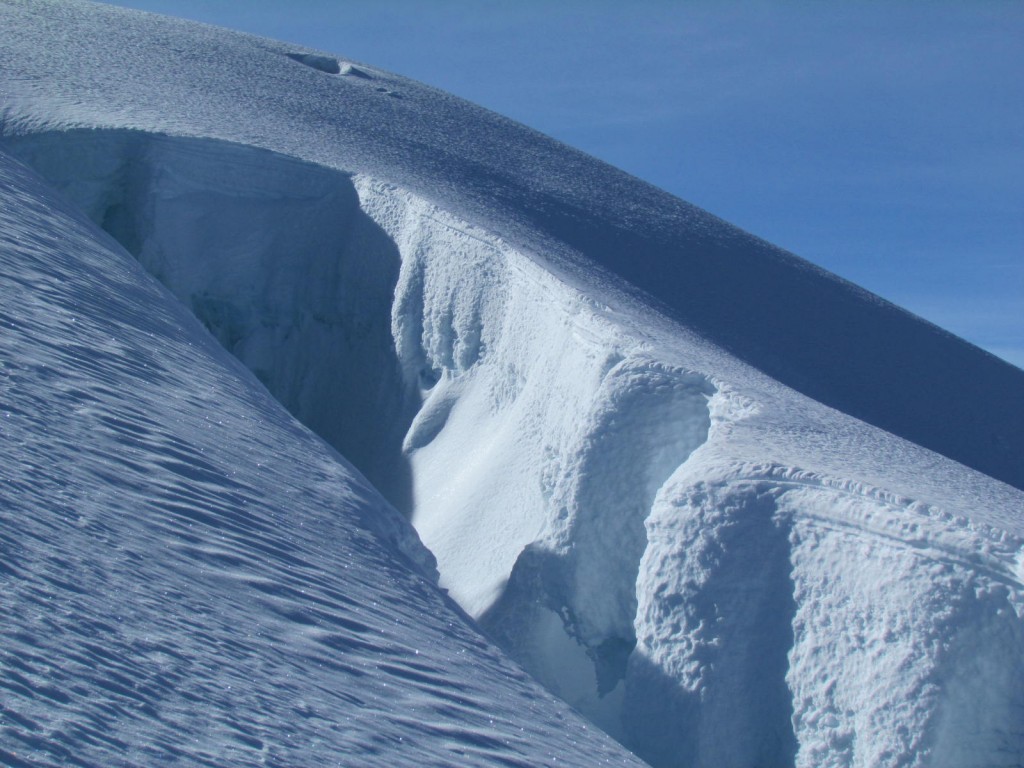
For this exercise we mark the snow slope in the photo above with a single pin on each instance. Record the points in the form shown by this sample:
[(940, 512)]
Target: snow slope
[(191, 577), (593, 401)]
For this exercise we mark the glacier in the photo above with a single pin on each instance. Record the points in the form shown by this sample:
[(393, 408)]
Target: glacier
[(730, 508)]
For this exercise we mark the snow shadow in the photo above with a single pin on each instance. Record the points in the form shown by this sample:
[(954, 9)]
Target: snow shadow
[(331, 65), (707, 684), (275, 257), (327, 64)]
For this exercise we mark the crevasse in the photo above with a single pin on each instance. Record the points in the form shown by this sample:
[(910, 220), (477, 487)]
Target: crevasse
[(524, 434), (574, 481)]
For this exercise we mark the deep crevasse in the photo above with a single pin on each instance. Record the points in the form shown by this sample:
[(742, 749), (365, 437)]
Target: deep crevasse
[(192, 577), (574, 479)]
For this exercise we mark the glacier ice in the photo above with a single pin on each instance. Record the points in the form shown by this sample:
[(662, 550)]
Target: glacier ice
[(619, 481)]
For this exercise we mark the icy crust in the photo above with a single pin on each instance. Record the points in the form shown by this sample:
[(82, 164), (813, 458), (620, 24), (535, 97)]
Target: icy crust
[(593, 496), (187, 575)]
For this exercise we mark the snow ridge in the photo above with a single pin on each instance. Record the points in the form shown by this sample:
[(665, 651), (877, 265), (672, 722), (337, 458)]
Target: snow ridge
[(714, 568), (561, 466), (591, 224)]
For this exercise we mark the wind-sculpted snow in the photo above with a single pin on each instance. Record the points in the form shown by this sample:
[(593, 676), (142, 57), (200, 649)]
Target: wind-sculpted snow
[(762, 580), (190, 577), (543, 450), (714, 568), (66, 64)]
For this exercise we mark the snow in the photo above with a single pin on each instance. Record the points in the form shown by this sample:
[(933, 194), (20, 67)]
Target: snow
[(647, 451), (189, 575), (761, 584)]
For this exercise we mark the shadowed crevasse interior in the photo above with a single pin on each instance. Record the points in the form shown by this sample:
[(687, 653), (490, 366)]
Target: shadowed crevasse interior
[(277, 260), (394, 336)]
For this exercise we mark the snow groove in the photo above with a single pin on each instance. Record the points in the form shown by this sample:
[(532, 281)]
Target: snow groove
[(275, 257), (321, 63)]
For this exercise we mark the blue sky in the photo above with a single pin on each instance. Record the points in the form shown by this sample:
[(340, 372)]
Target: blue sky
[(881, 140)]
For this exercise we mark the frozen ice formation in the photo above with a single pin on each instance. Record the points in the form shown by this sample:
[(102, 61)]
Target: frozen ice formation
[(732, 509)]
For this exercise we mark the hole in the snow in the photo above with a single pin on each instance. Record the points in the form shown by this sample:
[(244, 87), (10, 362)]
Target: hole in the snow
[(326, 64), (351, 71)]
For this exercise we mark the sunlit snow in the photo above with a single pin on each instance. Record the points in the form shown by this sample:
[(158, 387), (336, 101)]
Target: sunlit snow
[(733, 510)]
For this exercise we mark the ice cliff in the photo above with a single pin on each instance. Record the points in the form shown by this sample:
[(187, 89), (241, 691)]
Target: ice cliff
[(734, 510)]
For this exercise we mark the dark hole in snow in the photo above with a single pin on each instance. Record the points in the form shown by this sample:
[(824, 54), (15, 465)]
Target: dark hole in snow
[(610, 659), (326, 64)]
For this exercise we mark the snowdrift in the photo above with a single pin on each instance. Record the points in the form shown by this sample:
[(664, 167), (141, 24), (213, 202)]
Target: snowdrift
[(732, 509)]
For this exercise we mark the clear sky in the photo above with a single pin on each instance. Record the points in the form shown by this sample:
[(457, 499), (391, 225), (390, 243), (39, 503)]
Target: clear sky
[(881, 140)]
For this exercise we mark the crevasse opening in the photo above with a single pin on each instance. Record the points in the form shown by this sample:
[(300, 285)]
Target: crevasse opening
[(277, 260), (525, 436), (703, 611)]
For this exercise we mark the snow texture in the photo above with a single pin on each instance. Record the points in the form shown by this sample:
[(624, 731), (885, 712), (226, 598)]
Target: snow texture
[(734, 510), (191, 577)]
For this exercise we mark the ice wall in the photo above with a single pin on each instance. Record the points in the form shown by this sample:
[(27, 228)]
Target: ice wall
[(190, 577), (525, 434), (579, 483), (543, 437)]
